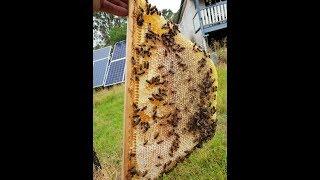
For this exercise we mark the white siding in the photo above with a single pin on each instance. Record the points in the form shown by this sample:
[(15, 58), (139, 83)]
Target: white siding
[(186, 24)]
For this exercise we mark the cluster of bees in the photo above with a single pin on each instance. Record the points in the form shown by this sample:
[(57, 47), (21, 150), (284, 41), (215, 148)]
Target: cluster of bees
[(144, 50), (140, 19), (158, 96), (150, 11), (196, 48), (150, 35), (139, 69), (168, 39), (199, 123), (157, 81)]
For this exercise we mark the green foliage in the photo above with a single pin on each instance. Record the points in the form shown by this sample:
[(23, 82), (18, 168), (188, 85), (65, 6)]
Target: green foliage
[(220, 48), (222, 89), (108, 129), (117, 33), (103, 23), (167, 14)]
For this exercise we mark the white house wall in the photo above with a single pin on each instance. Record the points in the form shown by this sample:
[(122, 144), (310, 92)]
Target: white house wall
[(186, 24)]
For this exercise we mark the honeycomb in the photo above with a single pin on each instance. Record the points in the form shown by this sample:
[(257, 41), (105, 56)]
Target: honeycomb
[(170, 103)]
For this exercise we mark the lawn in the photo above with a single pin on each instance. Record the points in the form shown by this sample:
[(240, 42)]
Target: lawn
[(209, 162)]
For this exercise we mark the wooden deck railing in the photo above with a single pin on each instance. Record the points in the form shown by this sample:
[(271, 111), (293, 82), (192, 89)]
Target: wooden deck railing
[(211, 15)]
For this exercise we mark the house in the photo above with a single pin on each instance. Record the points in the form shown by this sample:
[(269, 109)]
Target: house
[(203, 21)]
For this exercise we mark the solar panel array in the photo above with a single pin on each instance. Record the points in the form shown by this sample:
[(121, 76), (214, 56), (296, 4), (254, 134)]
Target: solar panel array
[(101, 58), (119, 50), (116, 72), (102, 53), (99, 71), (106, 71)]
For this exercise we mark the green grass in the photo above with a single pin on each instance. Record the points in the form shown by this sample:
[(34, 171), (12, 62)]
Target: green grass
[(209, 162), (108, 128), (222, 89)]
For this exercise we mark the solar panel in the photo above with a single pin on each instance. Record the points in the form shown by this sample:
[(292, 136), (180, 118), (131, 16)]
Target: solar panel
[(115, 73), (99, 71), (119, 50), (101, 53)]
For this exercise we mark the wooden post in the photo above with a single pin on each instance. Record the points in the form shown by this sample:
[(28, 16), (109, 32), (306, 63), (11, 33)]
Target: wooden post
[(127, 100)]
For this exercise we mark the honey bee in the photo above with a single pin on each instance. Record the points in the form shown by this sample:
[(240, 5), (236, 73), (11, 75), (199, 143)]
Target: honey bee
[(144, 126), (186, 108), (213, 110), (169, 162), (132, 171), (144, 108), (146, 65), (136, 120), (180, 159), (135, 106), (165, 75), (199, 145), (156, 136), (140, 19), (141, 72), (145, 142), (131, 155), (148, 8), (157, 97), (214, 88), (161, 66), (170, 133), (133, 61), (149, 82), (145, 173), (189, 79), (171, 65), (181, 49), (171, 71)]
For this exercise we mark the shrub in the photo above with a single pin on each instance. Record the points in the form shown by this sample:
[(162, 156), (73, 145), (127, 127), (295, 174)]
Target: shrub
[(220, 48), (117, 33)]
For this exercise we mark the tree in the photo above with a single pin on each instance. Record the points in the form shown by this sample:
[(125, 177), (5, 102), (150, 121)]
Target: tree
[(117, 33), (167, 14), (102, 24)]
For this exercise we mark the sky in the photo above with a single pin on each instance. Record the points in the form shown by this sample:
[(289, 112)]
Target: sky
[(174, 5)]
